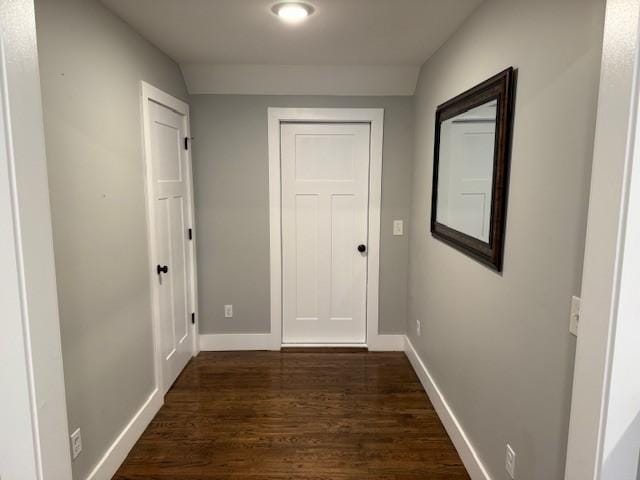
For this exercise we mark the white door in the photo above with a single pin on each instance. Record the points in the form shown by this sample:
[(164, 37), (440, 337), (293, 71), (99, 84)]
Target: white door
[(325, 196), (471, 177), (171, 206)]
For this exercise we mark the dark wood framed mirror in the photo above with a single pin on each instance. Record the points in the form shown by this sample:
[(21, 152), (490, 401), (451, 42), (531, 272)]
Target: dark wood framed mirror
[(471, 169)]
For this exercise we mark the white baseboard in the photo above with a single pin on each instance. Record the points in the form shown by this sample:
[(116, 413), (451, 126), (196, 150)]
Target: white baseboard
[(386, 343), (264, 341), (237, 342), (120, 448), (465, 449), (324, 345)]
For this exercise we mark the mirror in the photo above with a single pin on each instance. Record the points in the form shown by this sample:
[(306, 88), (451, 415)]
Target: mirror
[(472, 144)]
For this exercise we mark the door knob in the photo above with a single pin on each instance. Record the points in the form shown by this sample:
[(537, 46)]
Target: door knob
[(362, 248), (162, 269)]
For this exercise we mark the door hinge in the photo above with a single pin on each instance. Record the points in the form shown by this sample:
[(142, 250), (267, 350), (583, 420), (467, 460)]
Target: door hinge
[(193, 318), (190, 233), (186, 142)]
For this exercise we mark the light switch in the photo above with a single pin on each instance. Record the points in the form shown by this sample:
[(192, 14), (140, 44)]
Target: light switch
[(398, 227)]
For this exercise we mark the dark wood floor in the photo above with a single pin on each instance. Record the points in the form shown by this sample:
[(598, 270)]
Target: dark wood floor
[(295, 416)]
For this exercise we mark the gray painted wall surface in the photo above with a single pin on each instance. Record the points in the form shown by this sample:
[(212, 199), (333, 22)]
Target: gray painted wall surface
[(91, 67), (232, 206), (498, 345)]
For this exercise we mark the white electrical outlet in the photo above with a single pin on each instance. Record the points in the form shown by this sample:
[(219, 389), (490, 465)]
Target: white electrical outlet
[(418, 328), (510, 462), (228, 311), (76, 444), (398, 228), (574, 319)]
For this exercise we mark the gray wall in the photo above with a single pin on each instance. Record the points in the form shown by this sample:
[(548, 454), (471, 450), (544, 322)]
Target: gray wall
[(497, 345), (91, 66), (232, 206)]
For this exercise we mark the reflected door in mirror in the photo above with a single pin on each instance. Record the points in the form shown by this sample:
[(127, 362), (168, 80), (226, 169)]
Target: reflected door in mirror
[(467, 144)]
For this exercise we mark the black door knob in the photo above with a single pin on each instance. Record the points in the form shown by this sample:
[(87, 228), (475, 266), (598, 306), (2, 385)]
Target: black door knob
[(162, 269), (362, 248)]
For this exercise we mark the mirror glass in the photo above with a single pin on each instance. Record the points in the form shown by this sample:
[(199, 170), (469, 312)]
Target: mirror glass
[(465, 171)]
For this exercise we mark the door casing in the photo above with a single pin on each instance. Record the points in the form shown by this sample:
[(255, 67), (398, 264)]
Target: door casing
[(375, 118), (151, 93), (34, 435)]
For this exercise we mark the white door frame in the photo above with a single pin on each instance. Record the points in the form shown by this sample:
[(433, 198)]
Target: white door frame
[(372, 116), (34, 439), (151, 93), (605, 378)]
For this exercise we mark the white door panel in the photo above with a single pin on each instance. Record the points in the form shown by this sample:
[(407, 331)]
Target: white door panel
[(471, 179), (325, 177), (171, 207)]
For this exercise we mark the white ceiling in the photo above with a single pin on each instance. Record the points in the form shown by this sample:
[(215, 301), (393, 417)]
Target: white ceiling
[(212, 38)]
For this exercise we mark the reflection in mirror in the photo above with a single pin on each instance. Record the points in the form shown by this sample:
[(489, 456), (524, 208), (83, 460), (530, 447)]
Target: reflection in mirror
[(465, 177)]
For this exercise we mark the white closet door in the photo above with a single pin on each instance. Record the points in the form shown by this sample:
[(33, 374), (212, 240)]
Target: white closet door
[(171, 207)]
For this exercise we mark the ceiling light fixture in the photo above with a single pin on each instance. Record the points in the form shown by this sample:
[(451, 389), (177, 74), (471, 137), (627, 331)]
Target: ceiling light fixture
[(292, 12)]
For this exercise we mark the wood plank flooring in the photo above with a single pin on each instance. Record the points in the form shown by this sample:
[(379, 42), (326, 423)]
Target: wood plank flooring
[(295, 416)]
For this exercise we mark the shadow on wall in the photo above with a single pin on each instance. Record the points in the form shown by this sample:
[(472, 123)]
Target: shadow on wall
[(623, 462)]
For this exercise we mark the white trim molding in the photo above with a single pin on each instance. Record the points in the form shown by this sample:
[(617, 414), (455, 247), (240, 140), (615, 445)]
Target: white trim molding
[(373, 116), (452, 425), (34, 437), (387, 343), (224, 342), (238, 342), (120, 448), (603, 428)]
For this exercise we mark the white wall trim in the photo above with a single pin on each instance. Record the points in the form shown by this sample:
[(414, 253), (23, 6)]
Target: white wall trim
[(467, 452), (34, 441), (353, 80), (237, 342), (387, 343), (223, 342), (151, 93), (373, 116), (120, 448), (614, 155)]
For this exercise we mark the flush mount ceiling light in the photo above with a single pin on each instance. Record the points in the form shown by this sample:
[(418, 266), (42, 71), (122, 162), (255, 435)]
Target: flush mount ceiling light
[(292, 12)]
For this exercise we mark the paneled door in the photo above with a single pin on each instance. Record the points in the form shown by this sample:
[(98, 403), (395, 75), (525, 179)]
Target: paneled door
[(467, 179), (325, 196), (170, 184)]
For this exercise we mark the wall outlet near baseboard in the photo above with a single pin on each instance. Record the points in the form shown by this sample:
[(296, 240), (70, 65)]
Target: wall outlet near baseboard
[(228, 311), (510, 462), (76, 443), (418, 327)]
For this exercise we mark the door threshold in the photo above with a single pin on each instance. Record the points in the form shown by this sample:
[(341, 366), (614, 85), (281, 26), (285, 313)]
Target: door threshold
[(325, 345), (324, 348)]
